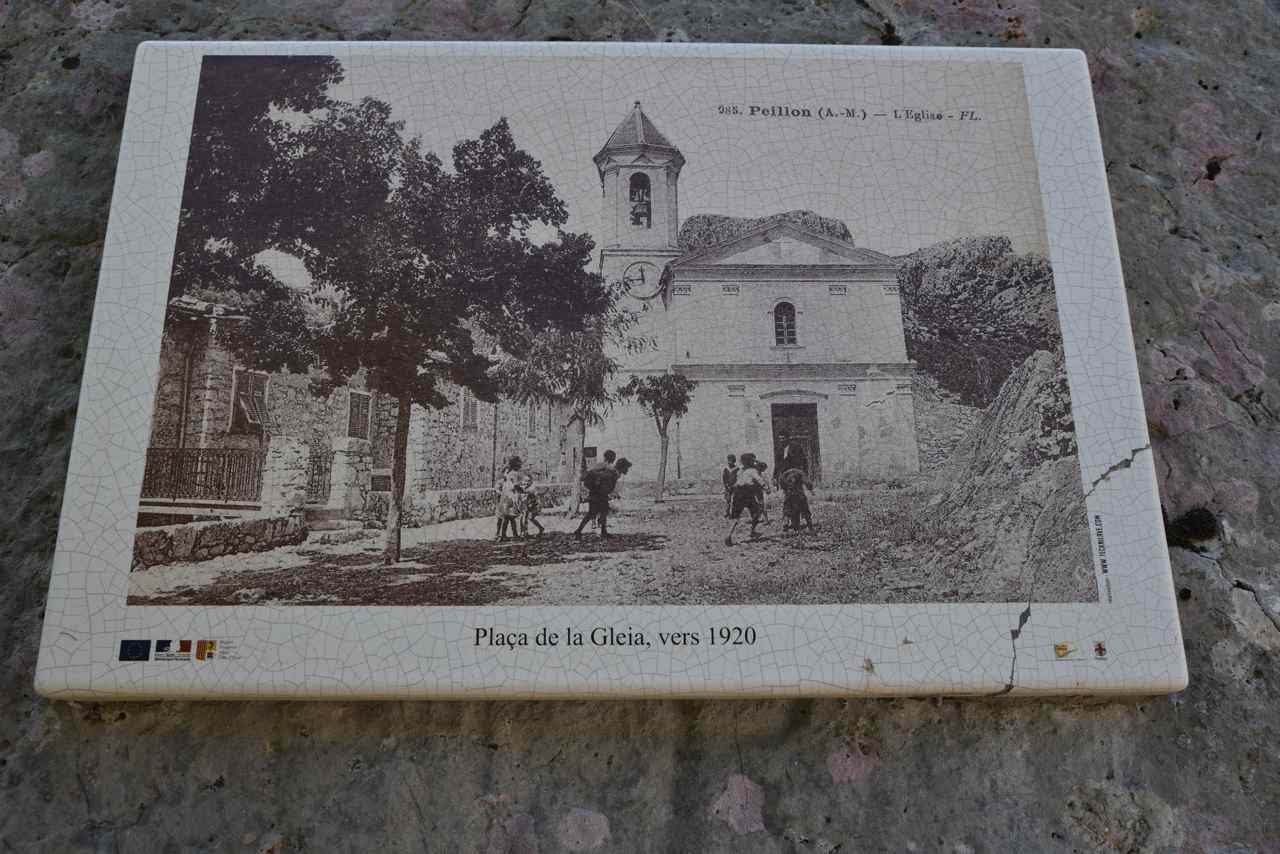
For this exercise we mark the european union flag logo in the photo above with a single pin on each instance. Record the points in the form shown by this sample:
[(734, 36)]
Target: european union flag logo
[(163, 646), (135, 650)]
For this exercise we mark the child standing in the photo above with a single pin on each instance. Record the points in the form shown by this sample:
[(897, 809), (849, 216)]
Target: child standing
[(510, 501), (760, 491), (729, 476)]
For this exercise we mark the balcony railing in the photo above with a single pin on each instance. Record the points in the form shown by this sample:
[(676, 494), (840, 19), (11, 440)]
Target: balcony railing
[(203, 474)]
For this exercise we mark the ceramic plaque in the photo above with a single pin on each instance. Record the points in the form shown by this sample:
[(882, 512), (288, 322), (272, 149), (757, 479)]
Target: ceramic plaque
[(526, 370)]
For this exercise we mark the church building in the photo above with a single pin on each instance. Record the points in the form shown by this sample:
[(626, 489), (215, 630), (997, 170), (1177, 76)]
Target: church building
[(794, 337)]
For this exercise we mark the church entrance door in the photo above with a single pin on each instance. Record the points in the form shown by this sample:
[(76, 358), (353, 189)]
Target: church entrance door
[(795, 438)]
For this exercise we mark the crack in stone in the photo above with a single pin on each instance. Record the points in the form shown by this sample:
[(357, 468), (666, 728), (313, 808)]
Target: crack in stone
[(1123, 464), (1014, 634), (522, 15), (1237, 584), (1025, 616), (1271, 616)]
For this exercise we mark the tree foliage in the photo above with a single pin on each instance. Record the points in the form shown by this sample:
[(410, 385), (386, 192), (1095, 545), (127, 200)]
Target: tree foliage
[(574, 367), (660, 396), (238, 134)]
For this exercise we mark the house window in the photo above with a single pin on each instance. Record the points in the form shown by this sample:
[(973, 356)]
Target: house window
[(737, 390), (784, 324), (470, 416), (641, 203), (682, 290), (533, 420), (248, 401), (358, 406), (837, 290), (729, 290)]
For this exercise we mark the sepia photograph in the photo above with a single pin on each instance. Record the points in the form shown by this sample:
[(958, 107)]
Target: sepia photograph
[(447, 332)]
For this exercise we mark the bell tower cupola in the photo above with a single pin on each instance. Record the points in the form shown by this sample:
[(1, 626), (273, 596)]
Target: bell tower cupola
[(639, 175)]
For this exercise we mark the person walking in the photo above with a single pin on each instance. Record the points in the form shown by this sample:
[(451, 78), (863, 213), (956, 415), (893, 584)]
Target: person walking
[(728, 477), (748, 485), (600, 483), (609, 461), (532, 507)]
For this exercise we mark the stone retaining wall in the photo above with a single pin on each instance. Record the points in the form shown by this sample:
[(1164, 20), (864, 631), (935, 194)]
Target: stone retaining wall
[(205, 540), (446, 505)]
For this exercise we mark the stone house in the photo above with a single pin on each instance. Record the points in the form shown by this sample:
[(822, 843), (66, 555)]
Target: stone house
[(227, 441)]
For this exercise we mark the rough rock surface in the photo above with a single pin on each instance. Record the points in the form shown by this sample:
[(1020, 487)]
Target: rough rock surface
[(1016, 492), (973, 311), (702, 230), (1187, 97)]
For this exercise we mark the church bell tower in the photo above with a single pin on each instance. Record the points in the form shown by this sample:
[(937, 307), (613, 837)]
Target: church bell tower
[(639, 175)]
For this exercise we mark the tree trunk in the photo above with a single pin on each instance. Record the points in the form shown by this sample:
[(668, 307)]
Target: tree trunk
[(577, 474), (399, 462), (663, 441)]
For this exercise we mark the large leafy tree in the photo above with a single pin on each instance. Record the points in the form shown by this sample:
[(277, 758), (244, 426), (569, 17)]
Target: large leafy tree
[(661, 397), (425, 270), (240, 132)]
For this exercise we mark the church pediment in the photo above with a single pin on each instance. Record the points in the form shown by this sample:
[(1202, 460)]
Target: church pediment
[(784, 244)]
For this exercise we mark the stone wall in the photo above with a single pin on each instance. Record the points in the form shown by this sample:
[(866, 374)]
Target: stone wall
[(284, 476), (167, 420), (294, 408), (447, 453), (446, 505), (204, 540)]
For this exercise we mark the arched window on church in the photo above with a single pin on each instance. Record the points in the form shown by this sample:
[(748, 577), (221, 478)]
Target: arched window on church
[(784, 324), (641, 200)]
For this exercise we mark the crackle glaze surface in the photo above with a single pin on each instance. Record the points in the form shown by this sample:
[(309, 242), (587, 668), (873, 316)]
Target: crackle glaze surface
[(1184, 106)]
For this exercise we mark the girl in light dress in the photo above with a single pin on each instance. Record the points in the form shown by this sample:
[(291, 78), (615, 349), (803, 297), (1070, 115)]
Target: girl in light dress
[(510, 500)]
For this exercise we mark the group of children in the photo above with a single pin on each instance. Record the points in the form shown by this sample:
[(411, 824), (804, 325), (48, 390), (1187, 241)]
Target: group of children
[(745, 487), (518, 503)]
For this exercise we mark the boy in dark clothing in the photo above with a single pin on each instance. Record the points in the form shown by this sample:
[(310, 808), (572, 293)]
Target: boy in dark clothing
[(600, 483), (747, 487), (729, 477), (610, 460), (795, 504), (532, 507)]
